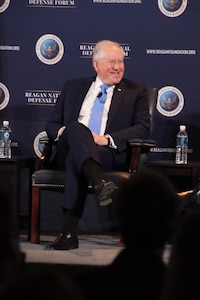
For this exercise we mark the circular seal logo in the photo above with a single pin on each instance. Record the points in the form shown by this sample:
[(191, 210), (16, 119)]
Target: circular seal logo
[(49, 49), (4, 96), (170, 101), (38, 147), (171, 8), (4, 5)]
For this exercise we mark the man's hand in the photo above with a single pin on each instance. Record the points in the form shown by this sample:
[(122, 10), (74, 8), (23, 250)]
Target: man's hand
[(100, 140)]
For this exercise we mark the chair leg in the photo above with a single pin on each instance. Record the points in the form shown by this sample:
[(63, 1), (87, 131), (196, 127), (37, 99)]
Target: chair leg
[(136, 151), (121, 243), (35, 216)]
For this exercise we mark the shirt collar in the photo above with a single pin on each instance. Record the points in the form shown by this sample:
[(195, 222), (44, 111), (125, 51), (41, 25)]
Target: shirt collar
[(98, 83)]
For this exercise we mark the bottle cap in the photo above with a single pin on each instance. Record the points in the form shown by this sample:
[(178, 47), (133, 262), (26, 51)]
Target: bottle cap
[(182, 127), (5, 123)]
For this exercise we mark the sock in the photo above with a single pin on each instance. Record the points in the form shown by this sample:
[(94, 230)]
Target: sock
[(70, 222), (92, 170)]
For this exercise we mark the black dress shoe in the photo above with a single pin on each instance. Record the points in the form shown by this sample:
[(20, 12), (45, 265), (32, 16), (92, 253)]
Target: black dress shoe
[(104, 191), (65, 241)]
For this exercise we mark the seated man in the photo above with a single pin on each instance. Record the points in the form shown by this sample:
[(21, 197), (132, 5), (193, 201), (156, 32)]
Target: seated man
[(83, 150)]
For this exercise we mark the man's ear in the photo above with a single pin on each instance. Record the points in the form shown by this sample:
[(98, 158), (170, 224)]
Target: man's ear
[(95, 64)]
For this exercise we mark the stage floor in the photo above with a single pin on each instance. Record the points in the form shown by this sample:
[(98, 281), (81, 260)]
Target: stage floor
[(94, 249)]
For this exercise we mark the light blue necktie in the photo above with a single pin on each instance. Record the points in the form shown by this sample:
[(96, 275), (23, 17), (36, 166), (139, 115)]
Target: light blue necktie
[(97, 110)]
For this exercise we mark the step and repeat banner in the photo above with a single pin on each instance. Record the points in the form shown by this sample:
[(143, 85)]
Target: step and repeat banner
[(43, 43)]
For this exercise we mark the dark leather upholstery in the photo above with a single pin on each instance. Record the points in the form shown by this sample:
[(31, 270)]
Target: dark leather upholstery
[(51, 179), (54, 179)]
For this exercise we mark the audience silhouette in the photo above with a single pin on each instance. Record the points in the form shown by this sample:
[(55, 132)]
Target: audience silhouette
[(11, 258), (17, 279), (146, 208), (183, 273), (51, 284)]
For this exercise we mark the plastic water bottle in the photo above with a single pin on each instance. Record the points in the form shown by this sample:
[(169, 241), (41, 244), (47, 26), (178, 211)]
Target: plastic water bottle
[(5, 140), (182, 146)]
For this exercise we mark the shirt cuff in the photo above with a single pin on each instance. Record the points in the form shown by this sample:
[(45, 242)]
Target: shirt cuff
[(111, 142), (60, 131)]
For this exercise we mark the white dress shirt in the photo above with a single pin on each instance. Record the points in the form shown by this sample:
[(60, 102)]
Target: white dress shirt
[(86, 108), (88, 103)]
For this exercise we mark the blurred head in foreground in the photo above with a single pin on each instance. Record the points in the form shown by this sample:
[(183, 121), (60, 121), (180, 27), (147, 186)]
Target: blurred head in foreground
[(147, 208)]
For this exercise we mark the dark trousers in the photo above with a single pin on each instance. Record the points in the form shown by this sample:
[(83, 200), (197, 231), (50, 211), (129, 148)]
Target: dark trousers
[(74, 147)]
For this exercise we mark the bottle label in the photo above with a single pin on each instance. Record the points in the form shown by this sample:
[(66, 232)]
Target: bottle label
[(181, 149), (182, 141), (6, 135)]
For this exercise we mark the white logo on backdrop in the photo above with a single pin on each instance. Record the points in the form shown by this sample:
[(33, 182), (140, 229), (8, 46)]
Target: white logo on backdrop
[(49, 49), (38, 147), (4, 5), (170, 101), (172, 8), (4, 96)]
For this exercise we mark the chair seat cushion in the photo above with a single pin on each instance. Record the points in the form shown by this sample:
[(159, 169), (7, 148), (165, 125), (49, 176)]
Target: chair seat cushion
[(45, 178), (54, 179)]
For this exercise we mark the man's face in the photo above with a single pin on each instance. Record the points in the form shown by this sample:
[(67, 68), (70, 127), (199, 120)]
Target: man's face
[(110, 69)]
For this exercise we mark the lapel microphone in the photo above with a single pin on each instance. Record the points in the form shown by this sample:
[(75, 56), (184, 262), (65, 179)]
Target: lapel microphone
[(99, 95)]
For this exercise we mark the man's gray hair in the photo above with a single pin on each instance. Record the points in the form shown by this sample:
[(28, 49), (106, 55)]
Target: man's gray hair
[(99, 53)]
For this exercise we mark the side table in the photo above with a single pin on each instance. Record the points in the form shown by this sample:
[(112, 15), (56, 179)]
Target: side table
[(15, 166), (183, 176)]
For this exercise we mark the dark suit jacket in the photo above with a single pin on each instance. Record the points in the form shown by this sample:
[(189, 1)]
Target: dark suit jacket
[(128, 115)]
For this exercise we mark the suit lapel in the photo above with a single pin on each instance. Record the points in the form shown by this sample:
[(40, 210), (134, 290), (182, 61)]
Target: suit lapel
[(117, 97), (81, 93)]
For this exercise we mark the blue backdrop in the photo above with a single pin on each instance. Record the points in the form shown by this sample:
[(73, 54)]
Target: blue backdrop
[(43, 43)]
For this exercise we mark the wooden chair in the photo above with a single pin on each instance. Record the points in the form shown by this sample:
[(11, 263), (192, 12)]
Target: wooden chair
[(50, 179)]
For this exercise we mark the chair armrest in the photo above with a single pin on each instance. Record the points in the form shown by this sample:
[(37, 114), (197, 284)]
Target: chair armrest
[(138, 147), (44, 160), (144, 143)]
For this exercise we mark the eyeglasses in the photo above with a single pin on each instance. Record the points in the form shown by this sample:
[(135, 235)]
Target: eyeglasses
[(115, 62)]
